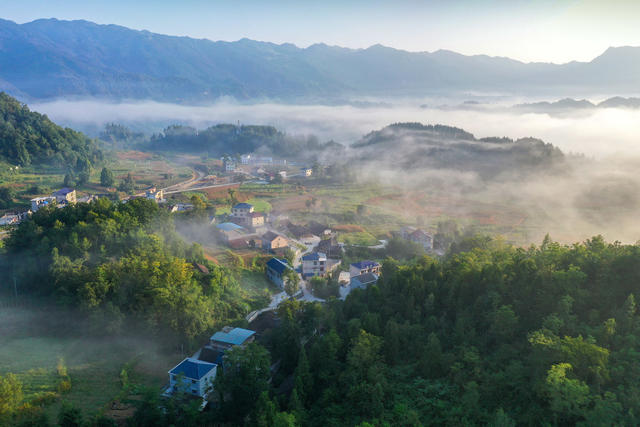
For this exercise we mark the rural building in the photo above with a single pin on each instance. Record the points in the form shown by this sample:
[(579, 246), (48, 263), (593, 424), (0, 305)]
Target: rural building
[(330, 247), (243, 214), (9, 219), (231, 231), (306, 171), (314, 264), (229, 164), (363, 280), (362, 267), (65, 196), (155, 195), (181, 207), (87, 199), (272, 241), (317, 264), (40, 202), (230, 337), (193, 376), (422, 238), (275, 270), (344, 278), (255, 219)]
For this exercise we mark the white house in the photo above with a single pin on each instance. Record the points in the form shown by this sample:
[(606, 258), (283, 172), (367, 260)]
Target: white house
[(197, 377)]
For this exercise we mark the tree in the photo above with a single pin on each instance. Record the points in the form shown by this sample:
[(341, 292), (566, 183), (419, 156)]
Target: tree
[(290, 255), (232, 196), (69, 416), (106, 177), (7, 194), (244, 378), (128, 184), (10, 394), (69, 180), (291, 282)]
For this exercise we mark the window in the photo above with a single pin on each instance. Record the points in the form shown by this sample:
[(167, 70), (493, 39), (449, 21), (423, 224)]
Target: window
[(193, 381), (194, 391)]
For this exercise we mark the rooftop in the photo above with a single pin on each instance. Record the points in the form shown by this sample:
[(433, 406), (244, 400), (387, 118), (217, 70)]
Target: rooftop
[(278, 265), (269, 236), (243, 206), (64, 191), (193, 368), (229, 226), (365, 264), (314, 256), (236, 336), (365, 279)]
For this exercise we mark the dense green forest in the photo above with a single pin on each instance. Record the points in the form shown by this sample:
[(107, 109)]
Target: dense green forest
[(124, 266), (28, 137), (497, 335), (227, 139)]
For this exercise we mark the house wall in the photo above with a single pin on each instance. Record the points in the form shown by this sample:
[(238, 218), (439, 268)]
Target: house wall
[(314, 268), (275, 277), (194, 387)]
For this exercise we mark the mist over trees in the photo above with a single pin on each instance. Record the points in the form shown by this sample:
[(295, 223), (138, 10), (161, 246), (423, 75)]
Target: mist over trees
[(123, 263)]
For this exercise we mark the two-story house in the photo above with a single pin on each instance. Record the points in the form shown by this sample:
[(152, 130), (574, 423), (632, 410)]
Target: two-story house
[(276, 269), (192, 376), (362, 267)]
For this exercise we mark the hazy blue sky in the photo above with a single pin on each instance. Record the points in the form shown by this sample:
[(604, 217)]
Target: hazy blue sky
[(529, 30)]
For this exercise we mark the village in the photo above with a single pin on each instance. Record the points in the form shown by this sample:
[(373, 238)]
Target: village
[(302, 260)]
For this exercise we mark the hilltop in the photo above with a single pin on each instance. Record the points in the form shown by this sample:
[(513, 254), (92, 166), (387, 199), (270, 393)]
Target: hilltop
[(27, 137)]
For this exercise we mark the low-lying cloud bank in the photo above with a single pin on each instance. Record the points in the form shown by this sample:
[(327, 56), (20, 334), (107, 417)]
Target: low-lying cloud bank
[(603, 133)]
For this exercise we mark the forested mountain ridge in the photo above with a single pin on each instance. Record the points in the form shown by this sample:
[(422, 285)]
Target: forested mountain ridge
[(27, 137), (228, 139), (80, 59), (414, 146)]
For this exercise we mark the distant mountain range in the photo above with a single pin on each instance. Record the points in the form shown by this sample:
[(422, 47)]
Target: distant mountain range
[(571, 105), (49, 58)]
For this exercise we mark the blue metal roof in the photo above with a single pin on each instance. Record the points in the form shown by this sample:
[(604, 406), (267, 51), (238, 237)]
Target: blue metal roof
[(365, 264), (236, 336), (278, 265), (193, 368), (314, 256), (228, 226), (243, 206)]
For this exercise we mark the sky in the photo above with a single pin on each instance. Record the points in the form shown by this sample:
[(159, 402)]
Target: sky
[(529, 30)]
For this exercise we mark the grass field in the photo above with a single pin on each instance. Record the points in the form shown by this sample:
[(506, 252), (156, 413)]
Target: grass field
[(361, 238), (93, 364)]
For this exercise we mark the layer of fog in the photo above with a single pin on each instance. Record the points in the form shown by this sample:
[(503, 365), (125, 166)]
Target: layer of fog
[(603, 133), (596, 195)]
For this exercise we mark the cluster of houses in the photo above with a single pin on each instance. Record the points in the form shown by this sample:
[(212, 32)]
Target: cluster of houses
[(60, 198), (263, 166), (247, 228), (195, 375)]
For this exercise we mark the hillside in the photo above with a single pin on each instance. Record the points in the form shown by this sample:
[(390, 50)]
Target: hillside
[(227, 139), (413, 146), (80, 58), (28, 137)]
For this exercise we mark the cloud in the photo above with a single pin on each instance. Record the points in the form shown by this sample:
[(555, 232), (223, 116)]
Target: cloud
[(603, 133)]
